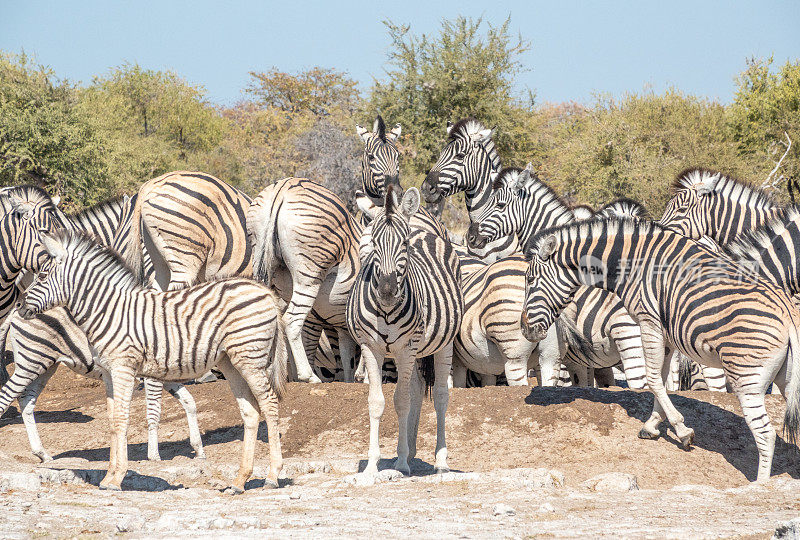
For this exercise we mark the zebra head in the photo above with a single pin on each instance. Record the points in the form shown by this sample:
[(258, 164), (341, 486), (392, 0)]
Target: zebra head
[(48, 290), (27, 212), (380, 161), (548, 288), (505, 214), (466, 160), (687, 213), (389, 245)]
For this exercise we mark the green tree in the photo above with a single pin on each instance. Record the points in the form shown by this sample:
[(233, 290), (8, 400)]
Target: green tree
[(467, 69), (45, 137), (765, 110)]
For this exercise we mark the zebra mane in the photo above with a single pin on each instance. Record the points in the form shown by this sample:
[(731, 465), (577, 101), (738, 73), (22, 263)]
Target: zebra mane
[(28, 192), (750, 244), (380, 128), (111, 263), (579, 209), (715, 181), (592, 227), (623, 206), (465, 128), (538, 188)]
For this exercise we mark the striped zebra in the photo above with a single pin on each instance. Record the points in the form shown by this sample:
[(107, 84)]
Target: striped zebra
[(25, 211), (712, 204), (40, 344), (489, 341), (194, 227), (684, 297), (306, 246), (469, 163), (598, 330), (176, 335), (406, 302), (380, 161)]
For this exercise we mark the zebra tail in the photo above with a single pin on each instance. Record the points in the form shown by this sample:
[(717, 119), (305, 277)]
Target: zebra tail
[(278, 369), (134, 257), (265, 241), (684, 373), (791, 422), (428, 373)]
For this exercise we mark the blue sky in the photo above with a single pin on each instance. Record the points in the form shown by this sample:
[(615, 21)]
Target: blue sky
[(578, 48)]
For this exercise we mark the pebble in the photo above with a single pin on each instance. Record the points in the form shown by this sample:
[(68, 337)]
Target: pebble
[(501, 509), (546, 507), (616, 482)]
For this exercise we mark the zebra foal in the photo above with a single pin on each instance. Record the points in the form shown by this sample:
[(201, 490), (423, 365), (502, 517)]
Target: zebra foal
[(406, 302), (232, 324), (684, 297)]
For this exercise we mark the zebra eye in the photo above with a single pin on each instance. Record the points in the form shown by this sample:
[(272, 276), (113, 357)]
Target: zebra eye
[(501, 205), (371, 156), (461, 155), (530, 278)]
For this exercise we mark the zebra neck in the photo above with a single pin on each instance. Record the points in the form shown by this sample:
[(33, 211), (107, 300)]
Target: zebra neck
[(541, 219), (478, 195), (725, 224)]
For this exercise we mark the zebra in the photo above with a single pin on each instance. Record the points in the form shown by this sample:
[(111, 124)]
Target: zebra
[(716, 205), (683, 297), (597, 329), (40, 344), (380, 161), (194, 227), (306, 247), (469, 163), (25, 212), (233, 324), (406, 302)]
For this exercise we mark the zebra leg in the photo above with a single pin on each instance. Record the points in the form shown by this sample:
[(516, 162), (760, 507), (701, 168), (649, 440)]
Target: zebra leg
[(347, 352), (27, 404), (631, 356), (417, 386), (755, 414), (294, 318), (405, 363), (657, 368), (373, 363), (112, 449), (442, 361), (248, 408), (152, 395), (650, 428), (267, 401), (123, 379), (487, 379), (715, 378), (459, 373), (181, 393)]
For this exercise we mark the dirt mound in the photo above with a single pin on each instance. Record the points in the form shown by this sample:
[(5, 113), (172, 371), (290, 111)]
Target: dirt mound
[(584, 431)]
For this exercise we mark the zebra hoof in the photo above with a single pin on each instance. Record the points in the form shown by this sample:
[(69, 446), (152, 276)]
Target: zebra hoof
[(44, 457), (155, 457), (645, 434), (688, 440), (233, 490), (200, 455), (270, 484)]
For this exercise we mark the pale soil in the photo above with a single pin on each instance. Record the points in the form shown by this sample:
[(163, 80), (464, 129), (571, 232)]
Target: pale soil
[(495, 437)]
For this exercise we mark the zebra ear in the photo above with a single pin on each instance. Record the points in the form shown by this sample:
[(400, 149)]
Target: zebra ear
[(548, 247), (23, 209), (449, 126), (523, 179), (708, 184), (363, 133), (410, 203), (379, 127), (56, 200), (53, 247), (395, 133)]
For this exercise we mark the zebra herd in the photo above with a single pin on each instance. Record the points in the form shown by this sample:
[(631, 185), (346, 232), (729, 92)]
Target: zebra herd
[(192, 274)]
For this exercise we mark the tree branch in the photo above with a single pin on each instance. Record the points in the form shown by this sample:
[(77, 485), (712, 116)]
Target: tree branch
[(769, 183)]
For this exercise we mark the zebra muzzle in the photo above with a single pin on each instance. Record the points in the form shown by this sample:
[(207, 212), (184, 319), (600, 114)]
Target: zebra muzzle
[(474, 237), (387, 287), (25, 312), (429, 191)]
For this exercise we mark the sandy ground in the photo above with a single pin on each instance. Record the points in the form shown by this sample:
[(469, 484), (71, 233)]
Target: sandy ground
[(524, 461)]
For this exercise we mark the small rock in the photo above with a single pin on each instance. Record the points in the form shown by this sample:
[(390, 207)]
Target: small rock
[(294, 496), (130, 523), (612, 482), (787, 530), (474, 510), (534, 478), (222, 523), (501, 509), (546, 507), (21, 481)]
